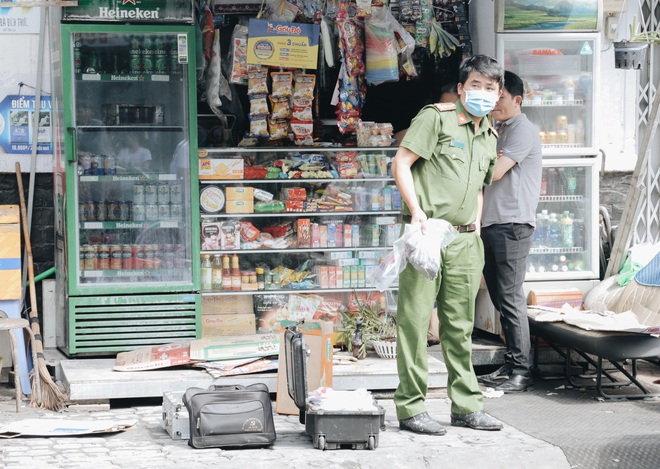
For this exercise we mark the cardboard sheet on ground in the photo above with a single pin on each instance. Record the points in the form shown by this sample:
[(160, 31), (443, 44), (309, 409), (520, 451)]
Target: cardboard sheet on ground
[(63, 427), (242, 366)]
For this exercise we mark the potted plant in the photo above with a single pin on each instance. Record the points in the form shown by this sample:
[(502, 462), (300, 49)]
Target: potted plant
[(378, 329), (631, 54)]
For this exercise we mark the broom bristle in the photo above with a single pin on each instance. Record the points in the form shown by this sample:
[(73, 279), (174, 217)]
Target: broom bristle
[(52, 396)]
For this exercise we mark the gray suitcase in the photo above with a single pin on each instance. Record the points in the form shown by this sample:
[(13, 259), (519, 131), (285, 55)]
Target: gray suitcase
[(175, 416), (333, 429)]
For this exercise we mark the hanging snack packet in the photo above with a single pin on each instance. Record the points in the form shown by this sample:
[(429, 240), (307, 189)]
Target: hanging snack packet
[(304, 87), (281, 107), (258, 104), (239, 73), (259, 126), (257, 82), (302, 109), (302, 132), (278, 128), (281, 83)]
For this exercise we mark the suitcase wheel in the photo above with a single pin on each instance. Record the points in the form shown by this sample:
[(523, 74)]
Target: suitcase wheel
[(321, 442)]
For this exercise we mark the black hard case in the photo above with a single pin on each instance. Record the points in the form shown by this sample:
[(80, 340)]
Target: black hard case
[(328, 429), (230, 416)]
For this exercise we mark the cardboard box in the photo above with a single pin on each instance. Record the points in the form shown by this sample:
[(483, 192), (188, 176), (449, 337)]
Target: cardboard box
[(239, 206), (214, 325), (555, 298), (238, 346), (230, 304), (10, 253), (240, 193), (318, 338), (221, 168)]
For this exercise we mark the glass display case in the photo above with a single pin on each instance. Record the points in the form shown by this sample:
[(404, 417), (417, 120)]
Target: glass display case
[(559, 71), (304, 228), (565, 240)]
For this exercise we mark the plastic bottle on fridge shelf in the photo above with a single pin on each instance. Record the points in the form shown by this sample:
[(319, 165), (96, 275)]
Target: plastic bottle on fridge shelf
[(551, 177), (544, 183), (554, 231), (235, 274), (217, 272), (226, 273), (578, 232), (541, 231), (580, 181), (560, 183), (207, 273), (571, 180), (563, 265), (579, 132), (567, 230)]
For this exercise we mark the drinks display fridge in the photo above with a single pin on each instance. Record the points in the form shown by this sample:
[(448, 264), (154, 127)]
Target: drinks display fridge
[(127, 250), (559, 68)]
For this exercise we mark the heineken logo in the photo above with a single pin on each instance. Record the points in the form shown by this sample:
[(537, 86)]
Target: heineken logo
[(137, 14), (124, 2)]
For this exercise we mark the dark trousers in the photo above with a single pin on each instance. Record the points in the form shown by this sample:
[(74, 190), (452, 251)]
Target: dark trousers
[(506, 247)]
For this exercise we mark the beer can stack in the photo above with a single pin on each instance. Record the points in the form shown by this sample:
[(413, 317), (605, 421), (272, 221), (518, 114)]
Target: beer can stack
[(160, 201), (97, 165), (112, 210), (130, 256), (153, 54)]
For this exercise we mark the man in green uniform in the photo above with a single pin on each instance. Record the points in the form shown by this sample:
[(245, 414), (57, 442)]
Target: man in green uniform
[(446, 157)]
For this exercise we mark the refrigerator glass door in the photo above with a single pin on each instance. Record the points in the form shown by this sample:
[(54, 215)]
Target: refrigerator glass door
[(566, 237), (559, 75), (130, 161)]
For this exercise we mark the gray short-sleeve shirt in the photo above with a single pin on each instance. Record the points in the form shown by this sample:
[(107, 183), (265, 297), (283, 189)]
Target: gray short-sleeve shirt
[(514, 198)]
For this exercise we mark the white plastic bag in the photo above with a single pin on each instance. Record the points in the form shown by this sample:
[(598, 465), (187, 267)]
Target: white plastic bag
[(421, 250)]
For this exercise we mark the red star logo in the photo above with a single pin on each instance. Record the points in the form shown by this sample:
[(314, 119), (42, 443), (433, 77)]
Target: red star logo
[(124, 2)]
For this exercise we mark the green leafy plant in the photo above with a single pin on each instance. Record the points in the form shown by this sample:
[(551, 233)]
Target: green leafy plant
[(650, 37), (376, 325)]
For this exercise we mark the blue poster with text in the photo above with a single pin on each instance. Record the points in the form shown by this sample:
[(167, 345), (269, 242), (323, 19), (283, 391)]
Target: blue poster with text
[(17, 120)]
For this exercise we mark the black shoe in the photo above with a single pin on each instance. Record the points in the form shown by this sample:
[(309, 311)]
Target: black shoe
[(478, 420), (497, 377), (422, 423), (517, 383)]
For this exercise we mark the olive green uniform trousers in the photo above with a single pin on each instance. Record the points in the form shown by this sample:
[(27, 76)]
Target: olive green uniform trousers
[(455, 290)]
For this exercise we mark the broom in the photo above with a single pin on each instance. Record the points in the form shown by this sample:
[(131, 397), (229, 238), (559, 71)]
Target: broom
[(52, 397)]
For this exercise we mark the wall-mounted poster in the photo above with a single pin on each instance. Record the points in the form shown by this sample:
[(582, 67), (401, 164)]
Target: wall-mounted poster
[(16, 121), (548, 15), (280, 44)]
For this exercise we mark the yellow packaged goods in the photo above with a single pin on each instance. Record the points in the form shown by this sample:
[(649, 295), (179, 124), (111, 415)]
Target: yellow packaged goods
[(229, 304), (214, 325), (221, 168), (240, 193), (555, 298), (212, 199), (240, 206)]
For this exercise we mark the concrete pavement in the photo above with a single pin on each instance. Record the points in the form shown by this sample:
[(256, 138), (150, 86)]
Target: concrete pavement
[(148, 445)]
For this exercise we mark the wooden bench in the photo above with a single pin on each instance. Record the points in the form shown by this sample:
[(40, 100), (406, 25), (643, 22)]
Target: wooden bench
[(614, 347)]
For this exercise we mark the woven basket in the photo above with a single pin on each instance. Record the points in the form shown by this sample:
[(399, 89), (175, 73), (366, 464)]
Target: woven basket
[(384, 349)]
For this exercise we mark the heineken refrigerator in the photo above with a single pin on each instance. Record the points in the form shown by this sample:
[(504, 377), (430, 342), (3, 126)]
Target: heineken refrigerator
[(127, 252)]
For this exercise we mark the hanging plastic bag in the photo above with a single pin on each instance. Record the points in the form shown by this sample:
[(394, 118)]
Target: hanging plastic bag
[(389, 269), (381, 50), (423, 249)]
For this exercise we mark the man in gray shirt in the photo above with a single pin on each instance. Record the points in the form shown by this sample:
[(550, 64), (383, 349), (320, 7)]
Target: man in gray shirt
[(507, 227)]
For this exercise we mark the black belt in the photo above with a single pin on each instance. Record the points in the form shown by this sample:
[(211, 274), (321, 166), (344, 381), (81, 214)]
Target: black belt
[(459, 228)]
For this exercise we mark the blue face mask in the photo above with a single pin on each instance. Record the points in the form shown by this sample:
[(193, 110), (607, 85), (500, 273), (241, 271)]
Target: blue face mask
[(480, 102)]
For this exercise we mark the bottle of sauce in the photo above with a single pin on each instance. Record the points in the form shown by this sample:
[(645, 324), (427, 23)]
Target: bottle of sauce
[(226, 273), (261, 278), (359, 351), (207, 272), (217, 272), (235, 274)]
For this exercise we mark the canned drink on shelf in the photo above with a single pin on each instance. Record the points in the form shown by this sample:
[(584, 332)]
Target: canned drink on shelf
[(151, 212), (109, 164), (127, 256), (176, 212), (150, 193), (161, 64), (176, 193), (103, 257), (138, 256), (89, 257), (157, 256), (85, 213), (167, 261), (95, 160), (135, 64), (138, 212), (135, 44), (99, 210), (112, 210), (149, 255), (116, 257), (138, 193), (163, 212), (148, 63), (86, 163), (163, 193), (124, 210)]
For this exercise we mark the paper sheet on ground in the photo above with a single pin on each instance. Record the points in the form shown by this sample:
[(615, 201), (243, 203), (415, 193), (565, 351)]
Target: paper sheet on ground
[(63, 427)]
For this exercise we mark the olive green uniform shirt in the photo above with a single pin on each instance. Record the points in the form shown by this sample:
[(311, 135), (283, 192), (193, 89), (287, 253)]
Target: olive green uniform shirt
[(455, 162)]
